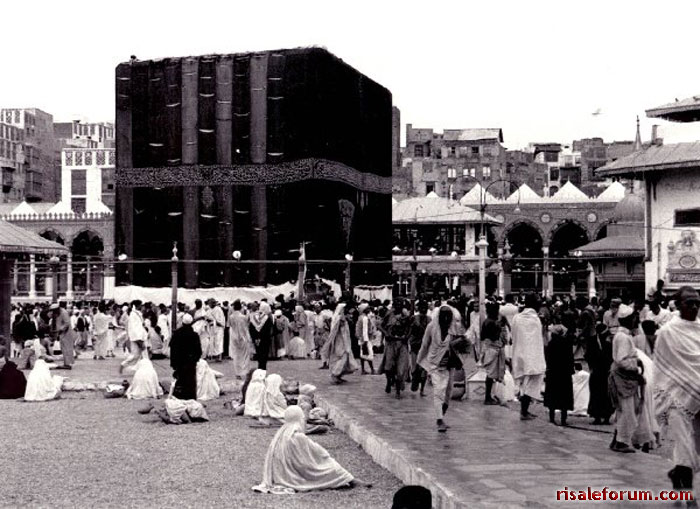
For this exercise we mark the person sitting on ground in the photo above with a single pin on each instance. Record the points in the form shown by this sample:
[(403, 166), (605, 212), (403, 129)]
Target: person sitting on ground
[(294, 462), (41, 386), (12, 382), (207, 386), (274, 402), (145, 382), (155, 338), (255, 395)]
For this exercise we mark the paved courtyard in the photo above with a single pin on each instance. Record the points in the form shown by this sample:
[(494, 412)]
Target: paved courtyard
[(489, 458)]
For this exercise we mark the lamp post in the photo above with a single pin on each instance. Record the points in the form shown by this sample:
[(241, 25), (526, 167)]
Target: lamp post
[(348, 268), (173, 288), (53, 279), (483, 244)]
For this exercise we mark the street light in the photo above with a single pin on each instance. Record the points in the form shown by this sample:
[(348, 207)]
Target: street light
[(348, 259), (53, 264), (173, 290)]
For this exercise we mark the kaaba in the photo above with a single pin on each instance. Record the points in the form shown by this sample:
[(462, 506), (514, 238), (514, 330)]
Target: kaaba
[(251, 152)]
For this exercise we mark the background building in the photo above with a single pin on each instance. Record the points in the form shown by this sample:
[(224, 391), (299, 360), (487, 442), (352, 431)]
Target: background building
[(12, 163), (40, 170)]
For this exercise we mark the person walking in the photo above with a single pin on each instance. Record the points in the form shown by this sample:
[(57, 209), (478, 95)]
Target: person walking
[(437, 355), (677, 386), (64, 333), (528, 355), (559, 386)]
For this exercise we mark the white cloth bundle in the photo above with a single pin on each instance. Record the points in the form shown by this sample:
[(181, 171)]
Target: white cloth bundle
[(255, 394), (145, 382)]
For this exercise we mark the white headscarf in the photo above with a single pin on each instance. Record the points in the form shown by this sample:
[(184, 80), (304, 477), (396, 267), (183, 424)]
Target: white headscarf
[(254, 396), (261, 316), (275, 402)]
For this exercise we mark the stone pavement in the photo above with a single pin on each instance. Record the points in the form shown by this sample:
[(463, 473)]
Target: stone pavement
[(489, 458)]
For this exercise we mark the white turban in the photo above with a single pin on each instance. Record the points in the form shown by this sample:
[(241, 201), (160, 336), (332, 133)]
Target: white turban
[(187, 319)]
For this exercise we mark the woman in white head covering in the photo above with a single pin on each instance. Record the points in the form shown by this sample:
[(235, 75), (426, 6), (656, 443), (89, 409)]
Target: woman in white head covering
[(41, 386), (338, 349), (296, 463), (145, 384), (207, 386), (274, 402), (255, 395)]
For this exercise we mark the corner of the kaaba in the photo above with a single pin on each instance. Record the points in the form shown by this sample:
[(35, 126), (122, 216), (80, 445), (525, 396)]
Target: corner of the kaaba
[(255, 153)]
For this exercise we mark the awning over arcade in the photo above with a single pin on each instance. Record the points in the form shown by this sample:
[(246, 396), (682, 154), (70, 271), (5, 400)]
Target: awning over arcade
[(14, 239), (435, 210), (654, 158), (622, 246)]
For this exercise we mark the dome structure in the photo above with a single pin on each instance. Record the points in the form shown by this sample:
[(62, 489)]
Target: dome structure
[(630, 209)]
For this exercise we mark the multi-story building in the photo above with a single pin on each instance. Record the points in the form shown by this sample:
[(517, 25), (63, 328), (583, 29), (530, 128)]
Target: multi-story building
[(87, 179), (78, 133), (11, 163), (452, 162), (41, 181), (563, 165), (595, 153)]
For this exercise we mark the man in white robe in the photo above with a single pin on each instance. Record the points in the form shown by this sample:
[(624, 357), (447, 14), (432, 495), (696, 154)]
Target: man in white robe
[(199, 325), (528, 355), (217, 322), (677, 386), (137, 334)]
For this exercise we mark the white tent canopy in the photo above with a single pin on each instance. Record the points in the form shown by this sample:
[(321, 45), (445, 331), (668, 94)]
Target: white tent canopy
[(614, 193), (476, 194), (569, 193), (524, 194)]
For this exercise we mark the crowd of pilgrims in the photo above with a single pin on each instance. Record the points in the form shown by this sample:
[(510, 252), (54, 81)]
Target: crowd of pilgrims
[(595, 357)]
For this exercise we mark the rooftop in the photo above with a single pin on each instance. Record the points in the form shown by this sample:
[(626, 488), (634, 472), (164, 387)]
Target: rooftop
[(433, 209), (14, 239), (686, 110), (655, 158), (623, 246), (473, 134)]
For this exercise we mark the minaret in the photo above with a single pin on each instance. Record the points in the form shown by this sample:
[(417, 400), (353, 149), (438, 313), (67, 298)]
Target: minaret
[(638, 139)]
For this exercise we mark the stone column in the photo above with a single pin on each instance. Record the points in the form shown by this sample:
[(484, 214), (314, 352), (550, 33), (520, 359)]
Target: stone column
[(69, 277), (32, 276), (108, 280)]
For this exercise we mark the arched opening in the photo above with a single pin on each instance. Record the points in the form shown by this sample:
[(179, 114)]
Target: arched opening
[(87, 249), (553, 190), (526, 249), (53, 236), (567, 270)]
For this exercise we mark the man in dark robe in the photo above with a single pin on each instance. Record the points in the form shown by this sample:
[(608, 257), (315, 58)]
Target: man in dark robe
[(395, 363), (185, 352), (599, 359), (12, 381)]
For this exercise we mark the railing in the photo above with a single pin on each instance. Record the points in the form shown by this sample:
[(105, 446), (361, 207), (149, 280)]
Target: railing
[(57, 216)]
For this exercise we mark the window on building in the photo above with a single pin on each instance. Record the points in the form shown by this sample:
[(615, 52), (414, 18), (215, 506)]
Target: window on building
[(451, 173), (418, 151), (554, 174), (472, 172), (465, 172), (486, 172), (79, 182), (429, 187), (475, 150), (453, 151), (687, 217), (77, 205)]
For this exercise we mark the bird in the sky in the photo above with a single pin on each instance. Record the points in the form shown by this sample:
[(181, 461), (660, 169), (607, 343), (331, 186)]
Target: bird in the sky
[(597, 112)]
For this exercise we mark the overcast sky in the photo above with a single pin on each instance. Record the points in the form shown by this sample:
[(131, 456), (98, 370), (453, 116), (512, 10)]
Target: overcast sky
[(537, 69)]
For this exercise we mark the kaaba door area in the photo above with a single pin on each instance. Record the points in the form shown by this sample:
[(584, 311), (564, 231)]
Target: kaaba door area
[(253, 153)]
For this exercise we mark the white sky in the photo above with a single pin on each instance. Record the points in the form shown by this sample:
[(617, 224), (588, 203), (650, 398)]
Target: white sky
[(537, 69)]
